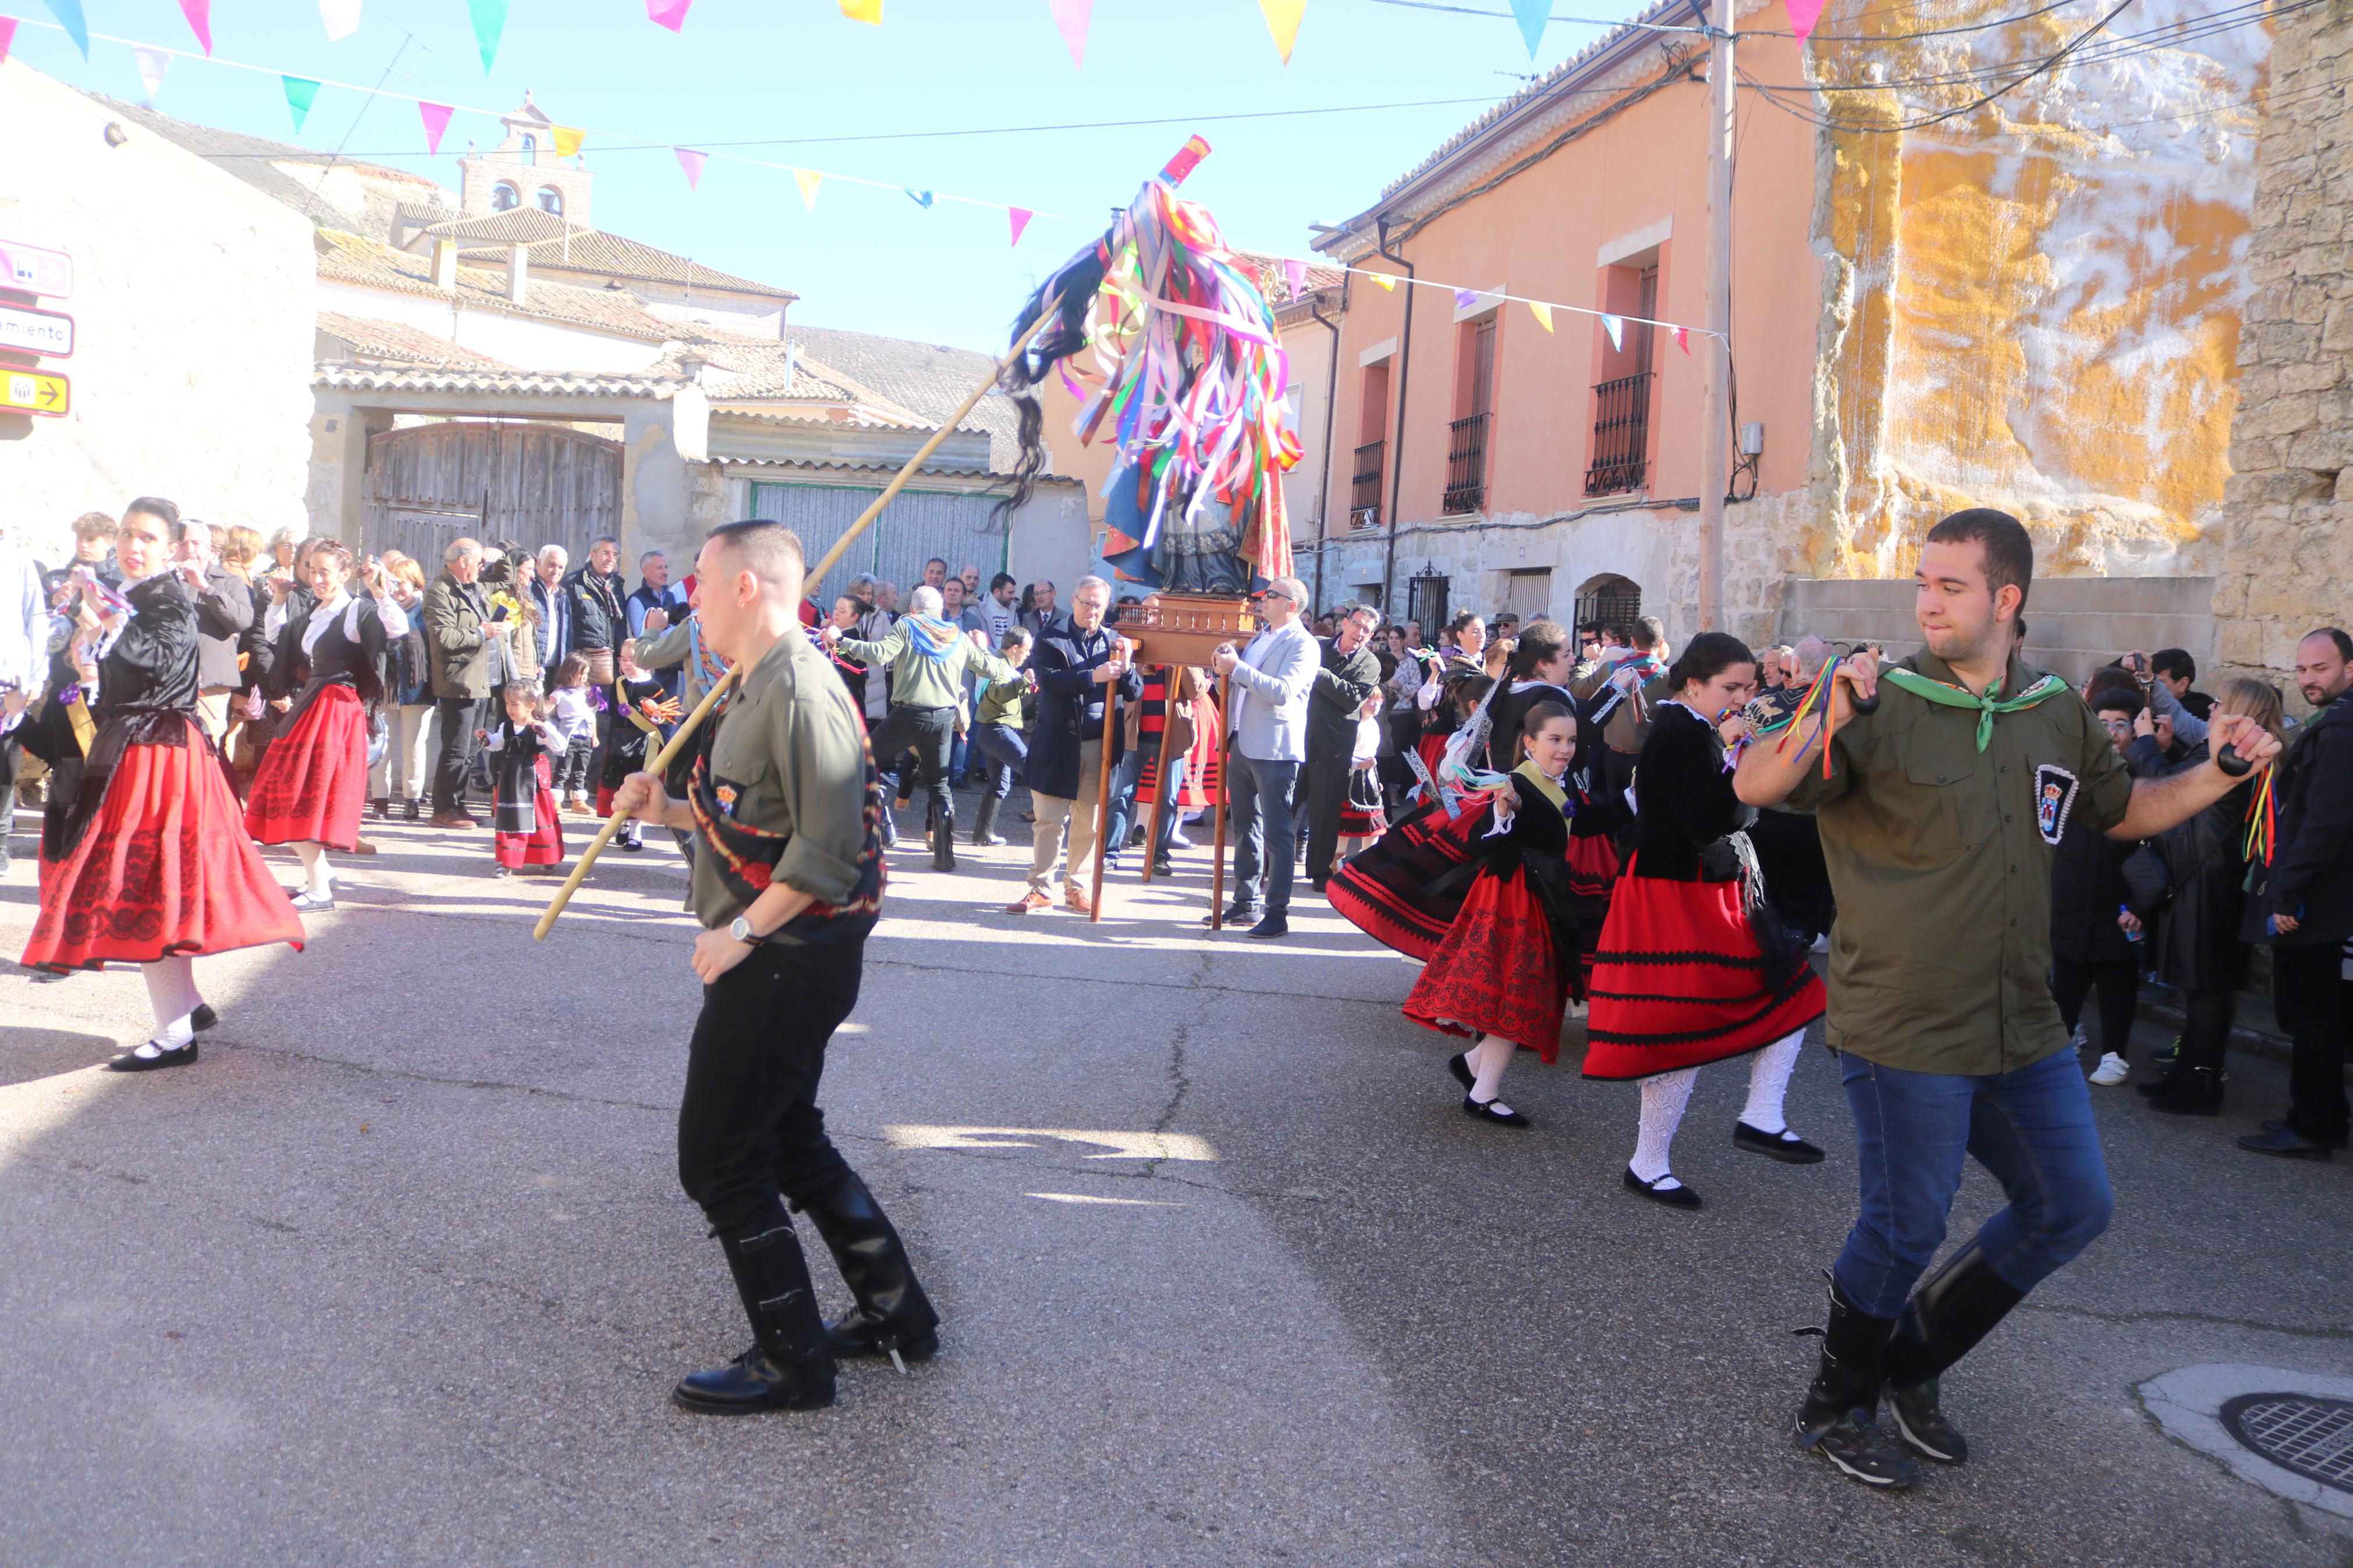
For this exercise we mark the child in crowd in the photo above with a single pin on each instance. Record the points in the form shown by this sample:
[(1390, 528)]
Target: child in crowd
[(572, 711), (1361, 818), (644, 712), (996, 732), (526, 830)]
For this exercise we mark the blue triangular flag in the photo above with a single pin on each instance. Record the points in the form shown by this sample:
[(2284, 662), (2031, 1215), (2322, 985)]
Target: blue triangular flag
[(920, 198), (1532, 15), (69, 15)]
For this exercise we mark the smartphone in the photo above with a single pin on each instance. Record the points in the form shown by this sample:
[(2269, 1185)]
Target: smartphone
[(498, 611)]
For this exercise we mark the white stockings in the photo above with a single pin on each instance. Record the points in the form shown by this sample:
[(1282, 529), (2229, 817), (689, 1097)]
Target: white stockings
[(1769, 1080), (1488, 1056), (171, 993), (318, 879), (1664, 1099)]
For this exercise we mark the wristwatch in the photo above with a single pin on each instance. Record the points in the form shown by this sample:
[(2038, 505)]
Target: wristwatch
[(741, 930)]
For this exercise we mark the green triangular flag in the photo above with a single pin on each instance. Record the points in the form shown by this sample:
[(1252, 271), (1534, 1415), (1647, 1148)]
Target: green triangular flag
[(302, 92), (489, 21)]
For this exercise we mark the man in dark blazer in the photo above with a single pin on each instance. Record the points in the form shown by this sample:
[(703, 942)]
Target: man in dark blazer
[(1077, 664), (223, 614), (1348, 676), (2305, 907)]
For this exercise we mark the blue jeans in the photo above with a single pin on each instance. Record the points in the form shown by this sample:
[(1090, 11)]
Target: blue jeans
[(2031, 1127), (1259, 794), (1124, 785), (1008, 754)]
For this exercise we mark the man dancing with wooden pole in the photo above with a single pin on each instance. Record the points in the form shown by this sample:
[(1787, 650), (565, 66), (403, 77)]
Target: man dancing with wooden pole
[(786, 807)]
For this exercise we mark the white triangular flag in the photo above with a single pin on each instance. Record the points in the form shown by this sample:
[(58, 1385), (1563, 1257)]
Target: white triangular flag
[(342, 17), (1617, 330), (152, 64)]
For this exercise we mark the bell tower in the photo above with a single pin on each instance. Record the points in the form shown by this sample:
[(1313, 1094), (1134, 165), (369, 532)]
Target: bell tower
[(524, 172)]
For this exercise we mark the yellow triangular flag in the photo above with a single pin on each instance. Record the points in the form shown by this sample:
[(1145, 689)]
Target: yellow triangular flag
[(1543, 314), (866, 11), (807, 179), (1282, 20), (1387, 284), (568, 138)]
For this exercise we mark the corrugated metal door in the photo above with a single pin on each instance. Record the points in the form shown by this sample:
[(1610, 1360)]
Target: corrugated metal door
[(918, 525), (531, 484)]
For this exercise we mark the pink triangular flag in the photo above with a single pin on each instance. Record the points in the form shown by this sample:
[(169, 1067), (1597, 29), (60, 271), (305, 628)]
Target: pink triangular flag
[(670, 14), (1803, 15), (692, 162), (199, 14), (1071, 17), (1295, 274), (1020, 216), (7, 34), (1682, 338), (437, 120)]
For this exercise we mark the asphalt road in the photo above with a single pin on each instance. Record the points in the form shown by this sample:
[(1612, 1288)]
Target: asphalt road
[(400, 1272)]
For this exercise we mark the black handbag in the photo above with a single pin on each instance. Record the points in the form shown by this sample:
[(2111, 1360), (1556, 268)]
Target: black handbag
[(2149, 880)]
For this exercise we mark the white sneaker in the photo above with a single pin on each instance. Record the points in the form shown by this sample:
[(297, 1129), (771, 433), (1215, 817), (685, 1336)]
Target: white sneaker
[(2113, 1070)]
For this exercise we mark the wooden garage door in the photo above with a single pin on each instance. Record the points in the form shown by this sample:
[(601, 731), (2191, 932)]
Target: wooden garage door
[(529, 484)]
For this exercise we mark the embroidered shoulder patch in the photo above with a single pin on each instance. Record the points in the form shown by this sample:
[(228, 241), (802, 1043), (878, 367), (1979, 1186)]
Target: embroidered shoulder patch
[(2054, 797), (726, 794)]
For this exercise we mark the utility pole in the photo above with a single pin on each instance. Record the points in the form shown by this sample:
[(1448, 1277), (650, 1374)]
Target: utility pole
[(1716, 439)]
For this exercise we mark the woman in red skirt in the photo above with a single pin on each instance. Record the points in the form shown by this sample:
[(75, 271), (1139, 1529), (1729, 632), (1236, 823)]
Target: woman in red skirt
[(313, 782), (1482, 898), (146, 864), (1692, 967)]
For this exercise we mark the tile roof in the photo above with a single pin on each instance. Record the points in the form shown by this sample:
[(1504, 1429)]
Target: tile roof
[(255, 160), (1274, 279), (555, 383), (928, 380), (593, 250), (397, 344), (345, 257)]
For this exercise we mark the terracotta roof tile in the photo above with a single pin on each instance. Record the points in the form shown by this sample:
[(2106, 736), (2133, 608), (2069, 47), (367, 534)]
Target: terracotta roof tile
[(345, 257), (555, 243), (397, 344)]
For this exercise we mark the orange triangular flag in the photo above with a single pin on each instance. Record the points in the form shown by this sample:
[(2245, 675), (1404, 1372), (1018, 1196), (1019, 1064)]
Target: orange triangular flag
[(1387, 284)]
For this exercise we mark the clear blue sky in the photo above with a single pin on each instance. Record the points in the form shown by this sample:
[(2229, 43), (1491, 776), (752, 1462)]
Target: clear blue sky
[(790, 72)]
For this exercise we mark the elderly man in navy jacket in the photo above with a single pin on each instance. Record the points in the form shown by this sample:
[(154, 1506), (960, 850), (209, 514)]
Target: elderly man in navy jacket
[(1077, 664), (1267, 737)]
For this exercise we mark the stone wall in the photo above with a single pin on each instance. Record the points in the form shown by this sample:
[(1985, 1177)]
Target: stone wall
[(2287, 558), (195, 319)]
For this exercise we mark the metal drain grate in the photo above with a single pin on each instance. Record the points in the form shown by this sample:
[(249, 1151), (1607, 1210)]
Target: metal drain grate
[(2305, 1432)]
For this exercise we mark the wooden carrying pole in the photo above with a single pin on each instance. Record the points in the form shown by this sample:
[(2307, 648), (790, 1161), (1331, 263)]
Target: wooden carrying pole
[(1103, 797), (816, 575), (1225, 792), (1171, 676)]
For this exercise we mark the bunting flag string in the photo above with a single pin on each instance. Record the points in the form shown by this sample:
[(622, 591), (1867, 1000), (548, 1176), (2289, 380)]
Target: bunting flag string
[(1072, 16), (340, 17), (567, 139), (1541, 312), (1019, 218), (199, 14), (866, 11), (670, 14), (1543, 308), (490, 19), (692, 162), (8, 37), (1282, 21), (1532, 16), (300, 94), (437, 120), (77, 26), (152, 64), (807, 180)]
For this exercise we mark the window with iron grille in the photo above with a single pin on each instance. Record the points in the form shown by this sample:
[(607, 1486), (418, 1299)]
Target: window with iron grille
[(1621, 402), (1364, 486), (1425, 601), (1466, 445), (1609, 602)]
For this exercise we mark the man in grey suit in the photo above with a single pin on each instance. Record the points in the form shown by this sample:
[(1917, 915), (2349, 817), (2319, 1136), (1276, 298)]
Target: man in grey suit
[(1266, 735)]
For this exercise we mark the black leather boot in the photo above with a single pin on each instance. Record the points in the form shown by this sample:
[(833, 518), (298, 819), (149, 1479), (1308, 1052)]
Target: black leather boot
[(944, 837), (984, 829), (1840, 1419), (893, 1313), (1953, 1308), (790, 1364)]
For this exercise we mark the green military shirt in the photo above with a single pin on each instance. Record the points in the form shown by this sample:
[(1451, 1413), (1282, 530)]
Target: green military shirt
[(789, 757), (918, 680), (1940, 855)]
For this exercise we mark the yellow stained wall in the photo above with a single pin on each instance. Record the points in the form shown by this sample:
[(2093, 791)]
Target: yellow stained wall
[(2042, 308)]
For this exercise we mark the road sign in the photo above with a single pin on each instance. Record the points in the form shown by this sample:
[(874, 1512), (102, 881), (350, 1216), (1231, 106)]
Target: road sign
[(31, 331), (36, 392), (36, 270)]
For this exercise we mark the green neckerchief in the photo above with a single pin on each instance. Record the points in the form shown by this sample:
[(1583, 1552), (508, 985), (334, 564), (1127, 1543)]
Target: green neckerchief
[(1919, 685)]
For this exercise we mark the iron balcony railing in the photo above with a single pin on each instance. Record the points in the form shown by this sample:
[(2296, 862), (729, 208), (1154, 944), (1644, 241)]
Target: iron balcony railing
[(1364, 488), (1621, 434), (1466, 464)]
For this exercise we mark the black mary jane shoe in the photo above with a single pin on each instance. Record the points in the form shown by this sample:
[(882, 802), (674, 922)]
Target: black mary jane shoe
[(1785, 1145), (204, 1018), (1460, 1066), (1674, 1197), (175, 1056), (1495, 1113)]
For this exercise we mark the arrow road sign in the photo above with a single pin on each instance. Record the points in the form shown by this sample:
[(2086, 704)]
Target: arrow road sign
[(36, 392), (36, 270), (27, 331)]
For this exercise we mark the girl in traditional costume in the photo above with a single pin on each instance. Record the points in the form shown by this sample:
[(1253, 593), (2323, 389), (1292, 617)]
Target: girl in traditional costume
[(147, 864), (1692, 966), (522, 748), (313, 782), (1475, 886), (642, 709)]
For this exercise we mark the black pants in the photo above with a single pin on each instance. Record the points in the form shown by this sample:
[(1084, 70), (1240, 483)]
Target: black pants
[(749, 1130), (2316, 1009), (2119, 982), (930, 734), (460, 716), (1324, 789), (571, 769), (2206, 1027)]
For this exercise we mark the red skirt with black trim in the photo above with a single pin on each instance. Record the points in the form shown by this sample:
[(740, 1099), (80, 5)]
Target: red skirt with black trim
[(1497, 972), (1593, 867), (313, 779), (543, 845), (1383, 890), (161, 872), (1679, 981)]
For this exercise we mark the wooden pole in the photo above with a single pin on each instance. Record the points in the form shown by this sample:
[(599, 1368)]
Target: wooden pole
[(1715, 407), (1225, 792), (1170, 674), (816, 575), (1102, 796)]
